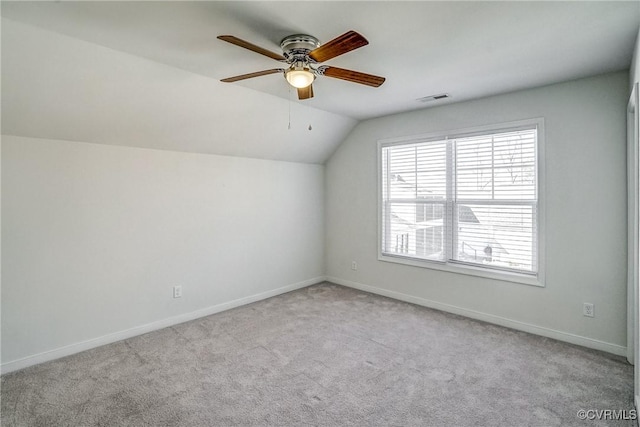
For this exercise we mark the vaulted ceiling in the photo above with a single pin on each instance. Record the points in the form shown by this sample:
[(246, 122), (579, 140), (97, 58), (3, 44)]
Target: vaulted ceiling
[(147, 73)]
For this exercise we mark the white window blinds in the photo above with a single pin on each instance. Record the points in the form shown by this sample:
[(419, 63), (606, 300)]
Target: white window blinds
[(465, 200)]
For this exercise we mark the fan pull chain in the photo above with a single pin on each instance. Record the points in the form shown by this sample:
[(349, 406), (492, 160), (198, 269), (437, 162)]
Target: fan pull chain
[(289, 126), (289, 108)]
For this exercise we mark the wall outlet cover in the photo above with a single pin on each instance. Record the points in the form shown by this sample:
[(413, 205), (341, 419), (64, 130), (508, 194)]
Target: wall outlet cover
[(177, 291)]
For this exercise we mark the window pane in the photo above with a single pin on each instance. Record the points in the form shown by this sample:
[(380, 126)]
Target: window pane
[(474, 153), (431, 170), (515, 183), (402, 172), (415, 230), (474, 184), (469, 199), (496, 235), (496, 167), (415, 171), (514, 148)]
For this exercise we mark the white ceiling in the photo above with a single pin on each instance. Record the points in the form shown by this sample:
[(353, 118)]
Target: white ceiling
[(172, 98)]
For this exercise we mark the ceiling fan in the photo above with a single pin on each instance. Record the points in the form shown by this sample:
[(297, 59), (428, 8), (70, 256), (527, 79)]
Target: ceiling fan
[(303, 54)]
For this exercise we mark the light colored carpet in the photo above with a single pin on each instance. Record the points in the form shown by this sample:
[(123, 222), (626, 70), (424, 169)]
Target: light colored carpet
[(323, 355)]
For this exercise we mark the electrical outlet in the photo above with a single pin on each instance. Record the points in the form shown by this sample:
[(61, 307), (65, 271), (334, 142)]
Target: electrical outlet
[(177, 291), (588, 310), (354, 265)]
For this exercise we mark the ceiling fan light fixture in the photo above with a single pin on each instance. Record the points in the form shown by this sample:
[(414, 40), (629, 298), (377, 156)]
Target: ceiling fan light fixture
[(303, 54), (299, 77)]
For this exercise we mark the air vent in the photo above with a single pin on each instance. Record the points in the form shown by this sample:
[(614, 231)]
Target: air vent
[(434, 97)]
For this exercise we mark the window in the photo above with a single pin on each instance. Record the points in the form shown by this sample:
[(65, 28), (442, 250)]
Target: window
[(465, 201)]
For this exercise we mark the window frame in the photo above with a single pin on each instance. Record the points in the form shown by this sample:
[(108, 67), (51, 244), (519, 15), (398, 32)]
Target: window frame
[(537, 279)]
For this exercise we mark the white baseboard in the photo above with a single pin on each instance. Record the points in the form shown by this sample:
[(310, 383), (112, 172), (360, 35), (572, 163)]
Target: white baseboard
[(489, 318), (67, 350), (46, 356)]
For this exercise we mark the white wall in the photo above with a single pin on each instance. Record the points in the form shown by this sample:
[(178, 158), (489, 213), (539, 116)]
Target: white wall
[(634, 335), (94, 238), (634, 74), (0, 252), (585, 215)]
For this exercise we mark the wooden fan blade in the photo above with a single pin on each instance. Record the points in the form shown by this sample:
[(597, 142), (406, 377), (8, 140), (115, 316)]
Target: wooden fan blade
[(305, 92), (252, 47), (353, 76), (251, 75), (338, 46)]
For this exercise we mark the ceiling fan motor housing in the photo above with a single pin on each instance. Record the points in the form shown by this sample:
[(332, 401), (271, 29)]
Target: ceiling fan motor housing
[(296, 47)]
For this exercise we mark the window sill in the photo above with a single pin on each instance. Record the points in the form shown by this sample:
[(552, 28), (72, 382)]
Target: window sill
[(505, 276)]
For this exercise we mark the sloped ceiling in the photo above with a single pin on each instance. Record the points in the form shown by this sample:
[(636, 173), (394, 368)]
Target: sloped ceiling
[(58, 87), (147, 73)]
